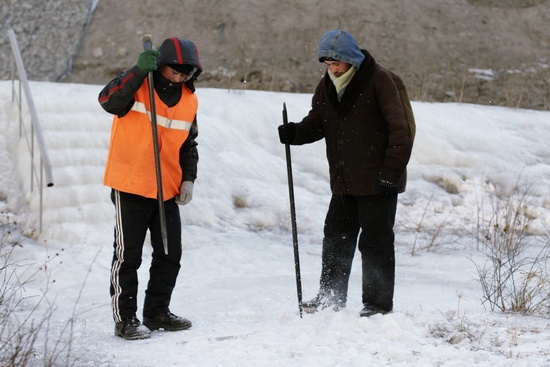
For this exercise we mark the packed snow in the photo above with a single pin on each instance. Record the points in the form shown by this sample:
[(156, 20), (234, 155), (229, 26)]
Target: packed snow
[(237, 282)]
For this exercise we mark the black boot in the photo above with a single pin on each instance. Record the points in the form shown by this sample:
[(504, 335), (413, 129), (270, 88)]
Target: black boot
[(166, 320), (320, 303), (311, 306), (370, 310), (132, 329)]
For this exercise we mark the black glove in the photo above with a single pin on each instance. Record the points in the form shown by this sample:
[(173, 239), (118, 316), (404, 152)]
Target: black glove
[(287, 132), (387, 188), (147, 60)]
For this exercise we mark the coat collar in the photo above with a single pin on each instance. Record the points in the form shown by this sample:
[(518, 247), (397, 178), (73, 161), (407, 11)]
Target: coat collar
[(354, 88)]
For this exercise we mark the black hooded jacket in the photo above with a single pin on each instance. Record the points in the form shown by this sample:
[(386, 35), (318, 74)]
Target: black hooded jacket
[(117, 97)]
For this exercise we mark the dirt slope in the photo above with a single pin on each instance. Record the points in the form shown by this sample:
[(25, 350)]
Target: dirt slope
[(484, 51)]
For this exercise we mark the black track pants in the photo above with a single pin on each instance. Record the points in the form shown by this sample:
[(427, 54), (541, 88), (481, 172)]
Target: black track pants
[(134, 216)]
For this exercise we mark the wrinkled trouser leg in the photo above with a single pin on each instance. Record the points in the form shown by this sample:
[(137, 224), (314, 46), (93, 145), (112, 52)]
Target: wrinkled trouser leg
[(339, 243), (130, 229), (376, 244), (164, 268)]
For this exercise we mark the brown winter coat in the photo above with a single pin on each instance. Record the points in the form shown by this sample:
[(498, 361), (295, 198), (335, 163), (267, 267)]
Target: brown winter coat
[(367, 136)]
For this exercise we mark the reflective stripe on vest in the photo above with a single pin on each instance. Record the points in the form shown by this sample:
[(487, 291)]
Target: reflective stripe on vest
[(130, 163), (161, 120)]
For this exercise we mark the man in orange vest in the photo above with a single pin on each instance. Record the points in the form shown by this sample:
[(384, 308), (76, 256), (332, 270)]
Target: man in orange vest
[(131, 173)]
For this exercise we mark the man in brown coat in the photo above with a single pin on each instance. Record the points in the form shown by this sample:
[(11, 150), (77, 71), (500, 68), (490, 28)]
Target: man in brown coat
[(358, 110)]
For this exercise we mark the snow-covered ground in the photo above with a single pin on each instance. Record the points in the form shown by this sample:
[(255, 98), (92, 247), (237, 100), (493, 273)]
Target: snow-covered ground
[(237, 282)]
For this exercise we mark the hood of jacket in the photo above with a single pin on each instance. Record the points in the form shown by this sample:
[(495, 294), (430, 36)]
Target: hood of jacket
[(177, 51), (340, 45)]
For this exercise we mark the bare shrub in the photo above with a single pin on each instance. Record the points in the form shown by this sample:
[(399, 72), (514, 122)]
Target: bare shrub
[(25, 320), (433, 237), (514, 278), (15, 346)]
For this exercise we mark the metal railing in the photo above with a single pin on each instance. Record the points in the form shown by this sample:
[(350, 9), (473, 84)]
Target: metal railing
[(44, 171)]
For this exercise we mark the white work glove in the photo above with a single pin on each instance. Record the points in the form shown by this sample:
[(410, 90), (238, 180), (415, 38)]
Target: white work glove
[(186, 193)]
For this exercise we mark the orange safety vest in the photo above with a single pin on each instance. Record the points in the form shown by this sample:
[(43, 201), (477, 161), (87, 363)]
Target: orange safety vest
[(130, 163)]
